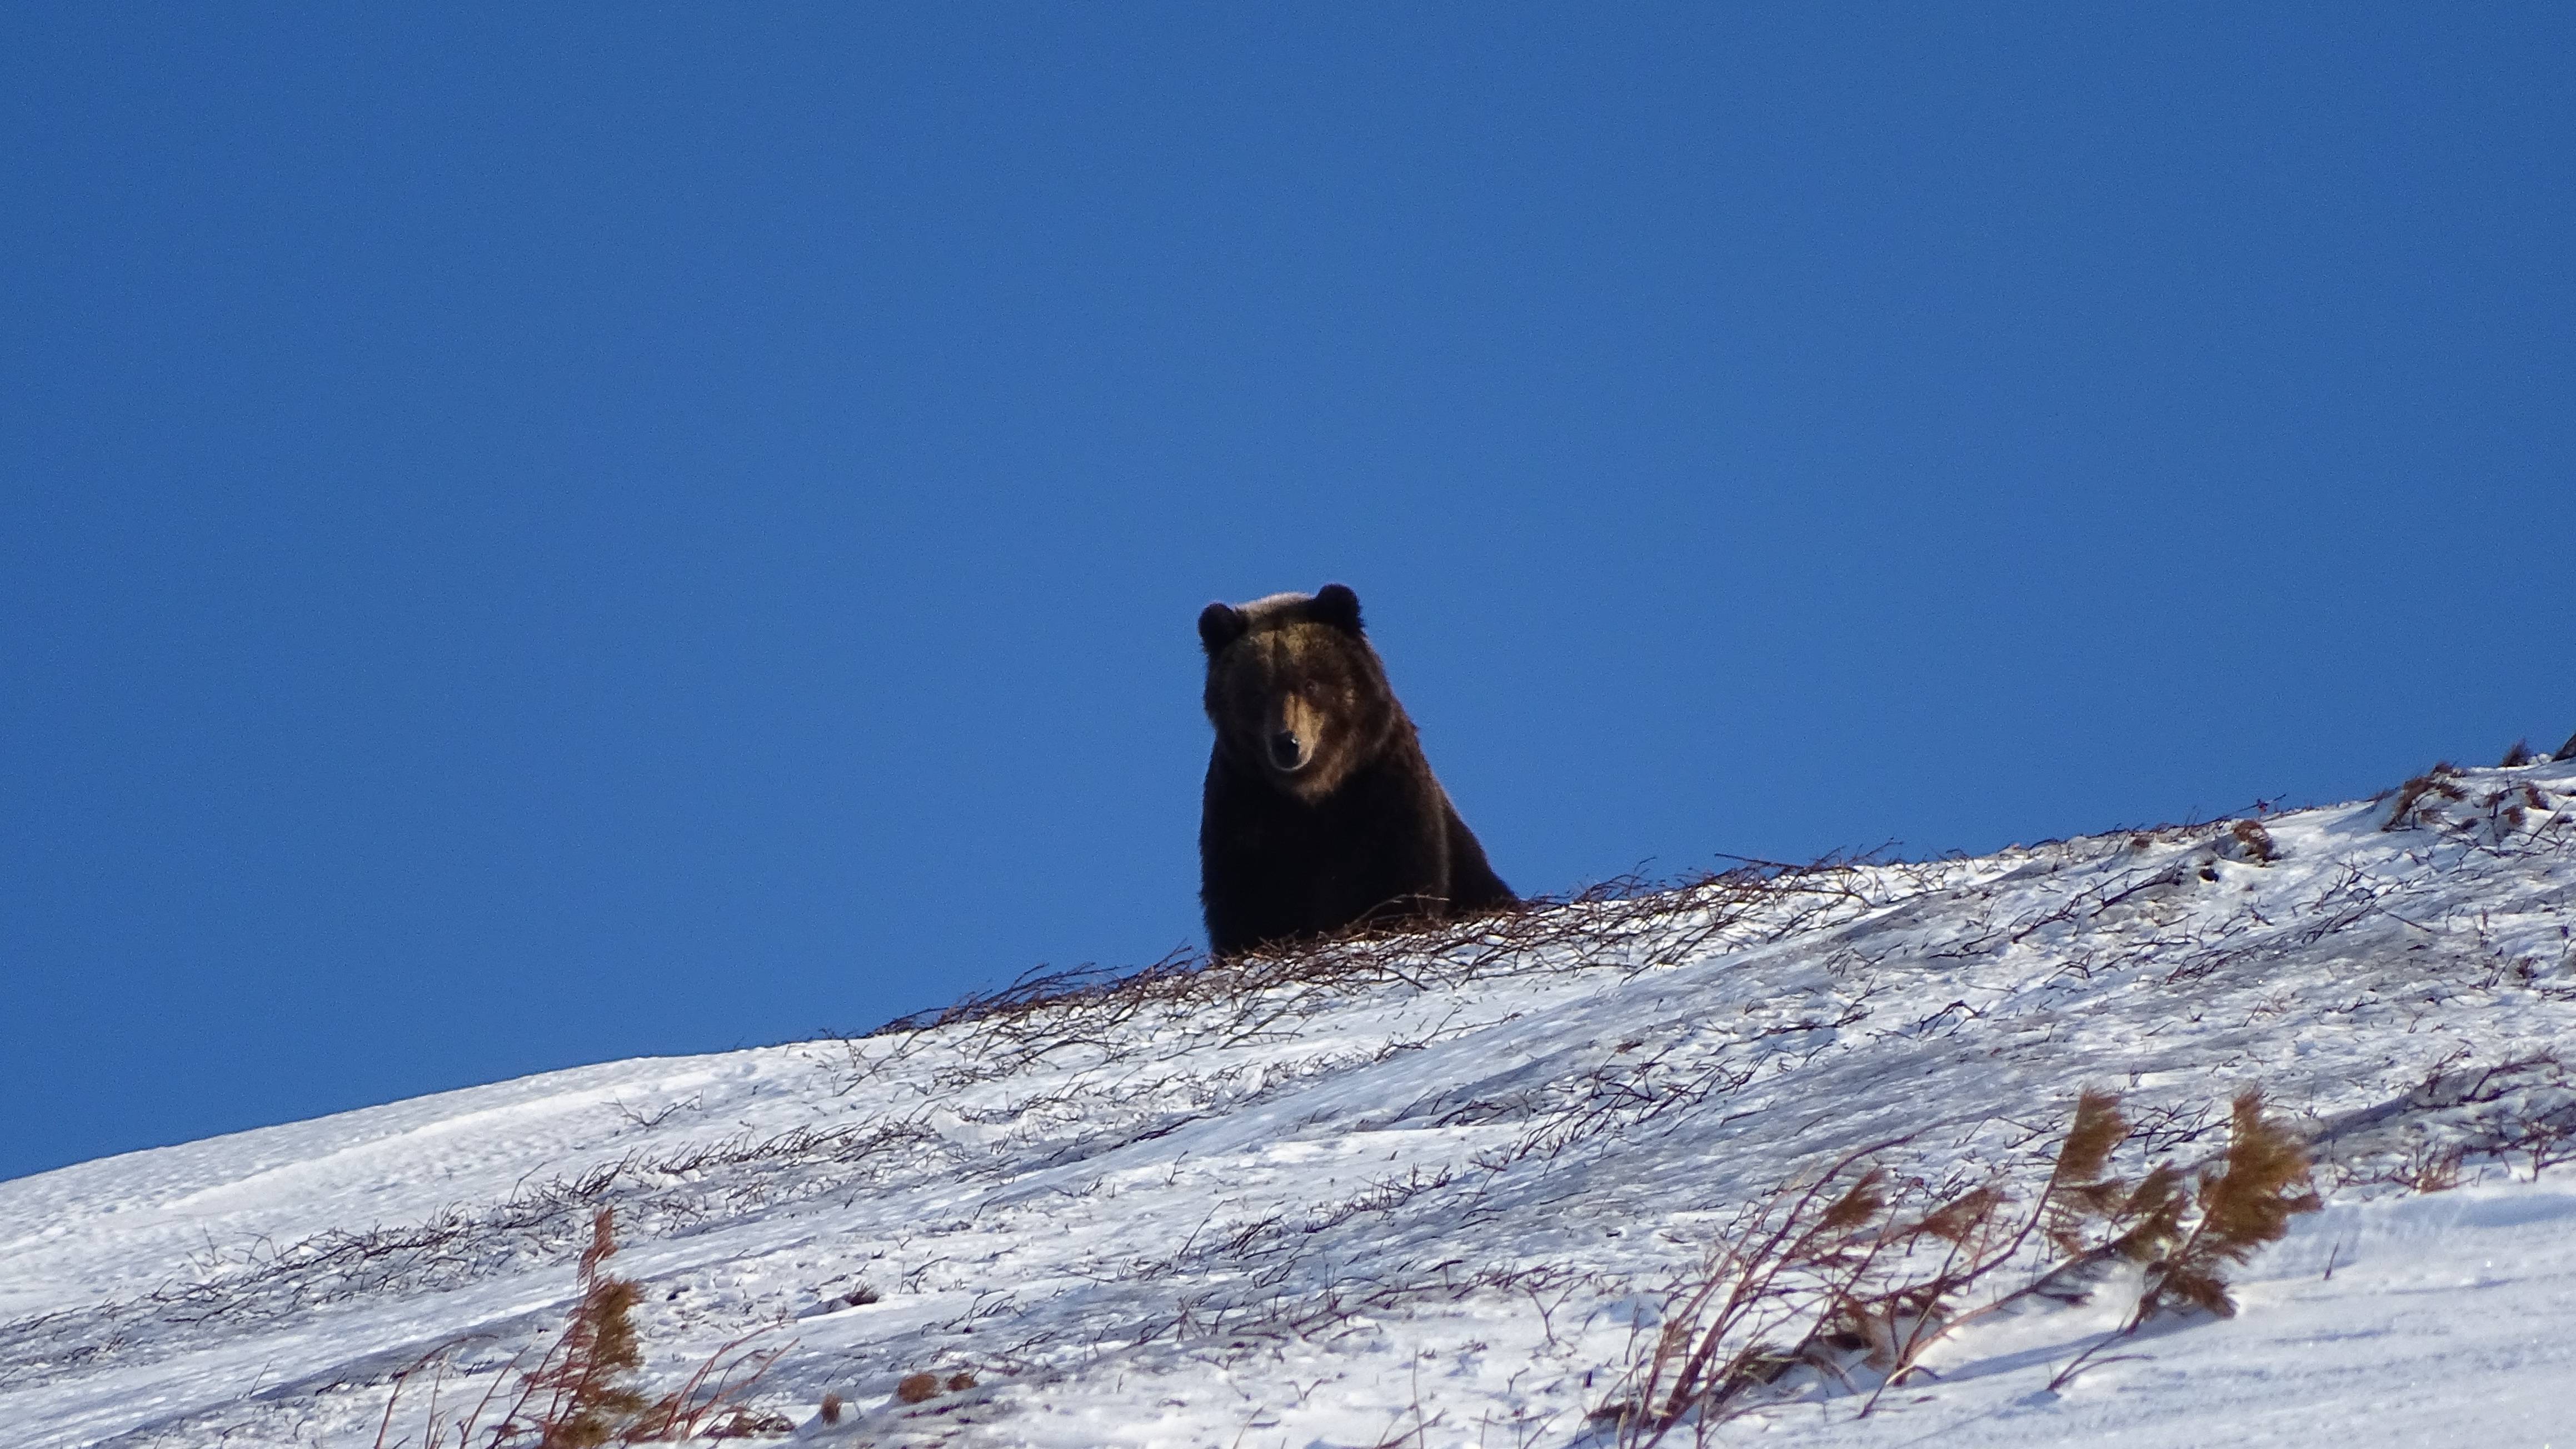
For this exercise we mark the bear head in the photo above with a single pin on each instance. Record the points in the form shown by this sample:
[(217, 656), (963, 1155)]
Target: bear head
[(1297, 696)]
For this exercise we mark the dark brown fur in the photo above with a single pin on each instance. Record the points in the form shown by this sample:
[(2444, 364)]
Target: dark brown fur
[(1320, 811)]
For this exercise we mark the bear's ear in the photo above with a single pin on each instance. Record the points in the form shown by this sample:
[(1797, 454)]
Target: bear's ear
[(1219, 625), (1336, 605)]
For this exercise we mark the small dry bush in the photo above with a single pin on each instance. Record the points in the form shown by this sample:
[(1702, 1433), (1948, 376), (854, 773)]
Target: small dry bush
[(2253, 842), (581, 1394), (2420, 797), (2248, 1201), (2433, 1167), (921, 1388), (2440, 799), (1826, 1285), (917, 1388)]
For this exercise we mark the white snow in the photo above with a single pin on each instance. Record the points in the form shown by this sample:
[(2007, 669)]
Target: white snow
[(1436, 1193)]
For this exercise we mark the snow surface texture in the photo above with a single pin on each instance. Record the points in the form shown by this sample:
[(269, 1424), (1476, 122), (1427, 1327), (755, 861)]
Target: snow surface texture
[(1435, 1191)]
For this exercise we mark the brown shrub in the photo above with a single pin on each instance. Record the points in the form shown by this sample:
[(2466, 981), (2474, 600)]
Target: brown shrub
[(917, 1388)]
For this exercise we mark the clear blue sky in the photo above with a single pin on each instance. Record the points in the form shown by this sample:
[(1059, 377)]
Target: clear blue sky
[(534, 535)]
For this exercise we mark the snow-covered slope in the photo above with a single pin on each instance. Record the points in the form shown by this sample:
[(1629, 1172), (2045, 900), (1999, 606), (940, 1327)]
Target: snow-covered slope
[(1438, 1190)]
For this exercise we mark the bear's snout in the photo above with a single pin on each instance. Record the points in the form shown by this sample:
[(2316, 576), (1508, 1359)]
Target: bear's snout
[(1287, 752)]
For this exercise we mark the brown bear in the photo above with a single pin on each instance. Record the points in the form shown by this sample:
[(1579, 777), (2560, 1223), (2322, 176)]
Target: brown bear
[(1320, 811)]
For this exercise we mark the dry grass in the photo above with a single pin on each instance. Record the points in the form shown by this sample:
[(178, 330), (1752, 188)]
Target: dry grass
[(581, 1394), (1629, 924), (1826, 1285), (1672, 919), (2246, 1203), (2253, 842), (2419, 798)]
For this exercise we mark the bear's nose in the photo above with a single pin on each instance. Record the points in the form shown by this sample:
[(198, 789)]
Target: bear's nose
[(1286, 750)]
